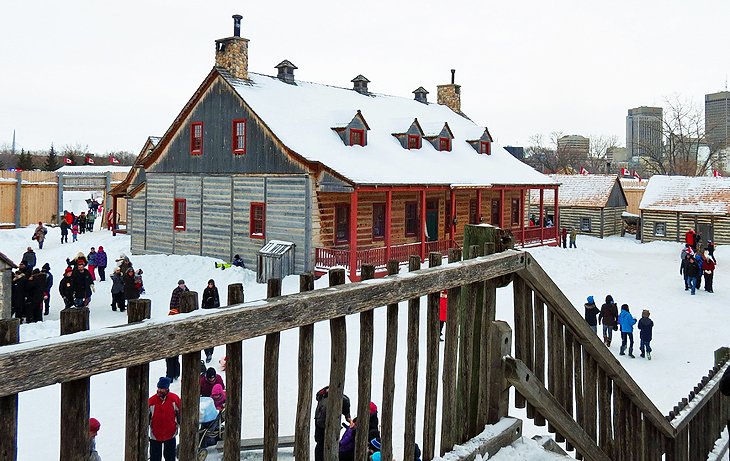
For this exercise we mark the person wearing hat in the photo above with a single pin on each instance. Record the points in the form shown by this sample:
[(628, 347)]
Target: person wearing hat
[(101, 262), (209, 379), (65, 288), (49, 285), (118, 290), (177, 294), (130, 289), (94, 426), (29, 259), (591, 313), (164, 413), (39, 234)]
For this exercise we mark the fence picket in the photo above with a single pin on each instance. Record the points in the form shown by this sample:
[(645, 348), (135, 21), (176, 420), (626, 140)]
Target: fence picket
[(234, 386), (364, 369), (338, 354), (137, 387), (432, 366), (391, 352), (414, 307)]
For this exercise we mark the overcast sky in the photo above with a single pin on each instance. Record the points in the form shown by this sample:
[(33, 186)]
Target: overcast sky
[(108, 74)]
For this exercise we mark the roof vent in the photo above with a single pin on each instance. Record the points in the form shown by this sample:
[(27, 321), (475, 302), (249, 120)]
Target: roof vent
[(360, 84), (421, 93), (237, 25), (286, 71)]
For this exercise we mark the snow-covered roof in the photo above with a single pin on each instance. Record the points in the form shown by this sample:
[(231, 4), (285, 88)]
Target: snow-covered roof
[(633, 183), (7, 261), (590, 190), (687, 194), (93, 169), (302, 117)]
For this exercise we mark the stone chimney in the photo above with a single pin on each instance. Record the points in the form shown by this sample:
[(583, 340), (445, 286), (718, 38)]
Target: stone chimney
[(286, 71), (360, 84), (421, 93), (231, 54), (450, 95)]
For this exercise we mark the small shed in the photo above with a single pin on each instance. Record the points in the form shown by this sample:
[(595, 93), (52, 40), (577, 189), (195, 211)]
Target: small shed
[(634, 190), (592, 204), (6, 282), (674, 204), (275, 260)]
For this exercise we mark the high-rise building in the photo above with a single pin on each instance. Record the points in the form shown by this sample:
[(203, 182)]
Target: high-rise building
[(643, 131), (717, 119), (577, 145)]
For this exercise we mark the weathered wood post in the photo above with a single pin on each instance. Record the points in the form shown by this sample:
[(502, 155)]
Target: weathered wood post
[(9, 334), (338, 356), (414, 308), (234, 386), (391, 352), (271, 383), (451, 349), (74, 397), (364, 370), (138, 386), (190, 380), (432, 365), (306, 373), (499, 338)]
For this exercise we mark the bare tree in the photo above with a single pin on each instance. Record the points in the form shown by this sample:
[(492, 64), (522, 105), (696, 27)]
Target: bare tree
[(549, 156), (600, 144)]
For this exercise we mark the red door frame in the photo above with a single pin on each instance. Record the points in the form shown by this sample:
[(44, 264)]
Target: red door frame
[(540, 217), (557, 220), (353, 235), (452, 224), (479, 206), (422, 196), (501, 208), (522, 215), (388, 218)]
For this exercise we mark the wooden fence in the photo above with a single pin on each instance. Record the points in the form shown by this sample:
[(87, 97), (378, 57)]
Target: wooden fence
[(588, 402)]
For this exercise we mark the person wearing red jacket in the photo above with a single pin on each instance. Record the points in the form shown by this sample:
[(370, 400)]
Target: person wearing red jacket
[(164, 421)]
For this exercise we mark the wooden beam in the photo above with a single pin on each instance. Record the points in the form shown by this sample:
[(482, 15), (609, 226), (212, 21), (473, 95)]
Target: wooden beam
[(353, 235), (451, 349), (271, 382), (74, 396), (525, 381), (391, 353), (505, 433), (306, 373), (409, 416), (190, 388), (432, 366), (338, 355), (234, 386), (388, 223), (500, 345), (364, 371), (9, 334), (137, 395)]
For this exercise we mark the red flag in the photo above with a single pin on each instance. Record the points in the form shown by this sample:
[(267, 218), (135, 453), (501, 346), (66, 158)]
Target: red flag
[(636, 175), (583, 171), (716, 174), (113, 159), (68, 161), (625, 172), (89, 160)]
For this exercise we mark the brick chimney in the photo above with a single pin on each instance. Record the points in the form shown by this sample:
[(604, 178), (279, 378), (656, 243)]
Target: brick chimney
[(231, 54), (450, 95)]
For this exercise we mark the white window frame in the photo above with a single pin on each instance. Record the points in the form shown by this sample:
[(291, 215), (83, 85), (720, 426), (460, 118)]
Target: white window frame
[(661, 225)]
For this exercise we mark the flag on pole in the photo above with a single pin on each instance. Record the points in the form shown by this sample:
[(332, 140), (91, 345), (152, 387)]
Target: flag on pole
[(89, 160), (113, 159), (636, 175), (625, 172), (716, 174), (583, 171), (68, 161)]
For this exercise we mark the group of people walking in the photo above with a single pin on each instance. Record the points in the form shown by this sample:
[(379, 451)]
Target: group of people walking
[(76, 224), (30, 289), (696, 262), (612, 320)]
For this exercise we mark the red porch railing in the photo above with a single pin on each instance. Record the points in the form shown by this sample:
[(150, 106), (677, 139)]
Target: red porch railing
[(534, 236), (327, 258)]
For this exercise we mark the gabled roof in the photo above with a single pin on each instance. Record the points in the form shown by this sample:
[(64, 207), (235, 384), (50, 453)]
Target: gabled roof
[(633, 183), (302, 116), (704, 195), (147, 149), (7, 261), (576, 190)]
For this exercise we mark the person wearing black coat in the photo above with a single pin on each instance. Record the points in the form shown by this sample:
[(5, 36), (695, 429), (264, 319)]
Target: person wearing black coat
[(211, 300), (130, 289), (320, 418), (18, 292), (82, 284), (65, 288), (34, 298), (591, 313), (64, 231), (691, 272), (645, 327), (49, 286), (609, 318), (118, 290)]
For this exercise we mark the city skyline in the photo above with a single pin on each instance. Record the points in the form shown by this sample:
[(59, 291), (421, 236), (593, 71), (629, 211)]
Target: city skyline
[(108, 77)]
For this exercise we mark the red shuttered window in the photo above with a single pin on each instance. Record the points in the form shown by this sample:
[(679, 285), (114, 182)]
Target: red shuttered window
[(196, 138), (180, 212), (445, 144), (485, 147), (357, 137), (258, 220), (239, 136), (414, 141)]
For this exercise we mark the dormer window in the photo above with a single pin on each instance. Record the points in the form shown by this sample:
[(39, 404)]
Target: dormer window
[(414, 141), (483, 144), (485, 147), (445, 144), (357, 137)]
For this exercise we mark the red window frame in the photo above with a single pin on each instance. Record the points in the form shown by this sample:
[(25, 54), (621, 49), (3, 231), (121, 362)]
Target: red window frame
[(378, 221), (179, 214), (354, 133), (485, 147), (414, 141), (411, 219), (239, 136), (473, 212), (445, 144), (342, 224), (196, 138), (257, 220), (515, 212)]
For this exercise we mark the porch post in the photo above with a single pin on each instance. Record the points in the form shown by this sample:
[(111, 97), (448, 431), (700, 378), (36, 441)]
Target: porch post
[(501, 209), (452, 224), (541, 221), (557, 217), (479, 206), (388, 224), (114, 215), (522, 215), (422, 250), (353, 235)]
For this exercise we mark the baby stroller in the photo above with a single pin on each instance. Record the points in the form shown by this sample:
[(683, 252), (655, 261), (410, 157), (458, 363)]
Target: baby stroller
[(211, 426)]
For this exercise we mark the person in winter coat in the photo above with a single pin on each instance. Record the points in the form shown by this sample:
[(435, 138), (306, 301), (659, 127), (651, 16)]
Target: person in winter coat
[(130, 289), (573, 236), (210, 301), (238, 261), (164, 412), (81, 221), (18, 292), (49, 286), (82, 285), (564, 237), (123, 263), (74, 232), (708, 267), (39, 234), (34, 297), (29, 259), (373, 423), (90, 218), (118, 301), (347, 442), (711, 250), (691, 272), (138, 281), (65, 288), (626, 322), (645, 326), (101, 262), (91, 258), (591, 313), (209, 379), (65, 226), (320, 418), (443, 308), (94, 426), (609, 318), (689, 238), (176, 294), (698, 257), (218, 394)]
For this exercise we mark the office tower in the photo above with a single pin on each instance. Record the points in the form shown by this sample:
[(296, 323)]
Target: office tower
[(643, 131)]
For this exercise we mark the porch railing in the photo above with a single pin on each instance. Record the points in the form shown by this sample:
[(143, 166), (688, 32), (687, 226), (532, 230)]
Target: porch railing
[(326, 258)]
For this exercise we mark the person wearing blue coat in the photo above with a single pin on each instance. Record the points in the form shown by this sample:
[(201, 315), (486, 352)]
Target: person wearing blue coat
[(626, 321)]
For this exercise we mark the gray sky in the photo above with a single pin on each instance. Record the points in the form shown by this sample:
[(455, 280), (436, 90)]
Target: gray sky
[(110, 74)]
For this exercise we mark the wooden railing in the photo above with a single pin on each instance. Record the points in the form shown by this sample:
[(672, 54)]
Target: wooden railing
[(326, 258), (589, 400)]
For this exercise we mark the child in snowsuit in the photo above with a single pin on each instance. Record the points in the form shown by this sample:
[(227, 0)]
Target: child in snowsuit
[(645, 326), (347, 442), (626, 321), (138, 283), (74, 232), (591, 311)]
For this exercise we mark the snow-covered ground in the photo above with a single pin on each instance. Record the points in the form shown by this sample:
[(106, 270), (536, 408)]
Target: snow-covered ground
[(687, 330)]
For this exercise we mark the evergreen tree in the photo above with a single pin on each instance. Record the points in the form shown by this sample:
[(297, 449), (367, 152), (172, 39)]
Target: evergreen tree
[(25, 161), (52, 160)]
